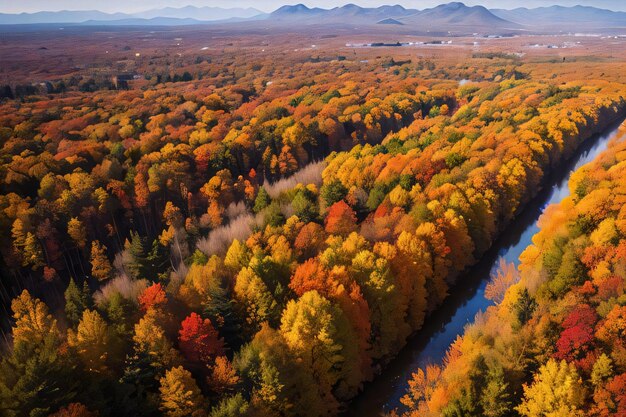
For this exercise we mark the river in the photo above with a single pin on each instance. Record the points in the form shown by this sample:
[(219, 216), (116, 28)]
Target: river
[(467, 298)]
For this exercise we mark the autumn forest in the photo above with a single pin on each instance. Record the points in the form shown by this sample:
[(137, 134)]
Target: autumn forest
[(248, 230)]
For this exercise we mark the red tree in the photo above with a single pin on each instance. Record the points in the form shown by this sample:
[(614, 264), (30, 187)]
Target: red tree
[(341, 219), (610, 398), (576, 340), (384, 209), (617, 388), (198, 339), (153, 296)]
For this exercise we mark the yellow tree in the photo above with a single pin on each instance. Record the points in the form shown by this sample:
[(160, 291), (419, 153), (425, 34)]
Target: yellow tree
[(411, 265), (33, 255), (318, 334), (223, 376), (180, 395), (150, 338), (92, 341), (32, 320), (78, 233), (237, 256), (35, 376), (256, 299), (100, 266), (438, 251), (512, 183), (556, 391)]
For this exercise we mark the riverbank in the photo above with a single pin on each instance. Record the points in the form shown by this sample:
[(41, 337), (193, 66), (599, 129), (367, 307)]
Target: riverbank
[(430, 344)]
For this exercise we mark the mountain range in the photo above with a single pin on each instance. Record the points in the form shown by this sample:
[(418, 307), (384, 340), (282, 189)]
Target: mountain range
[(191, 14), (579, 16), (456, 15), (445, 17)]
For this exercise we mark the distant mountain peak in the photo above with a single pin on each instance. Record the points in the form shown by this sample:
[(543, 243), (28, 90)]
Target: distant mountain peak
[(389, 21), (452, 6), (296, 12), (296, 8)]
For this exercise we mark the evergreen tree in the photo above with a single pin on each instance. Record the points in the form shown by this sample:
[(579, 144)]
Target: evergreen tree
[(333, 192), (76, 301), (273, 215), (35, 379), (305, 206), (524, 307), (138, 260), (199, 258), (156, 266), (468, 403), (220, 309), (140, 382), (495, 398), (120, 312), (262, 200)]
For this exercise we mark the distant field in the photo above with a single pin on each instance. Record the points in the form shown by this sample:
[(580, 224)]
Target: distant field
[(49, 54)]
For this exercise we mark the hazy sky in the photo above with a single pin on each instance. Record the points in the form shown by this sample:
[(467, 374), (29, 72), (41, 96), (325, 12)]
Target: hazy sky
[(17, 6)]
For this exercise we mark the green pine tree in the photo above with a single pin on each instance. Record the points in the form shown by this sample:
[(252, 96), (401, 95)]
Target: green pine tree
[(139, 384), (305, 206), (35, 379), (121, 312), (524, 308), (138, 261), (86, 293), (273, 215), (262, 200), (333, 192), (76, 301), (495, 398), (220, 309), (157, 262)]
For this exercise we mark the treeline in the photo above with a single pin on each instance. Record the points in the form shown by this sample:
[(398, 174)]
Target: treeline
[(114, 189), (85, 84), (554, 342), (44, 88)]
